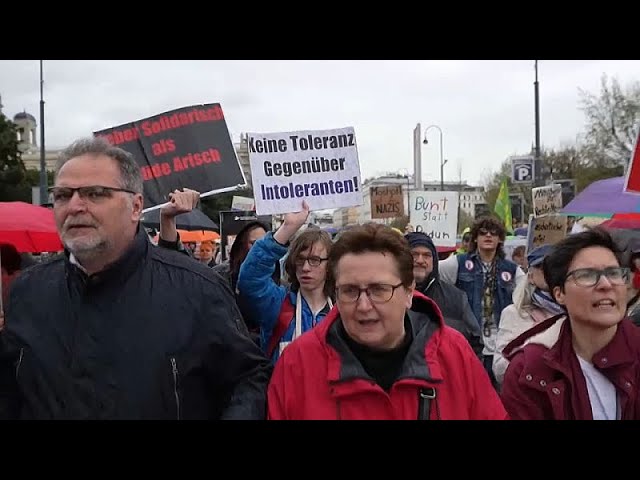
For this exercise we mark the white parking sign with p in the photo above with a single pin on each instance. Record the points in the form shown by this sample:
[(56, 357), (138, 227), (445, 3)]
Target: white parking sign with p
[(522, 169)]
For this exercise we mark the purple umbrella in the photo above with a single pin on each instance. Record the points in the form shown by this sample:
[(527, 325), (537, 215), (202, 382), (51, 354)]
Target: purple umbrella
[(603, 198)]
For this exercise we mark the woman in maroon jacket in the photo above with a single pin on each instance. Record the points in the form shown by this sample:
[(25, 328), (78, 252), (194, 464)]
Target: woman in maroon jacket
[(383, 353), (588, 366)]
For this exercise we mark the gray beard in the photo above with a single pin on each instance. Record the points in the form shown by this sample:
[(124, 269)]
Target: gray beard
[(88, 254)]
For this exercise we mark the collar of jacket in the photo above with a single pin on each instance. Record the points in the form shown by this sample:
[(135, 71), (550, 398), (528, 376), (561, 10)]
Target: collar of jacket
[(615, 361), (618, 353), (118, 270), (423, 287), (421, 367)]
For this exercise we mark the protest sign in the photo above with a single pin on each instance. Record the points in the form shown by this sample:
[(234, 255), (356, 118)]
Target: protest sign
[(386, 201), (318, 166), (547, 200), (632, 177), (546, 230), (188, 147), (242, 203), (436, 214)]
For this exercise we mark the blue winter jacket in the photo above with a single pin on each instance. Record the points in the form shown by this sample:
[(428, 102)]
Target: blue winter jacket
[(257, 288)]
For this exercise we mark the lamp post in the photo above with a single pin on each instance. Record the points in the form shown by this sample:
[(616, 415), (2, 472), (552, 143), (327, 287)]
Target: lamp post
[(43, 164), (442, 160), (537, 159)]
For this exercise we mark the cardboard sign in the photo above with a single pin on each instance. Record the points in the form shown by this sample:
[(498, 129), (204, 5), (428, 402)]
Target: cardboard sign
[(547, 200), (387, 201), (546, 230)]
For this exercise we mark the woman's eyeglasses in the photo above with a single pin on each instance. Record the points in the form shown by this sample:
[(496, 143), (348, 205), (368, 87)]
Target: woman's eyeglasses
[(589, 277)]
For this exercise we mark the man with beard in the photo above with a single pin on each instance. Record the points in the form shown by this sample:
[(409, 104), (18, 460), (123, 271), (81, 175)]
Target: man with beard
[(452, 301), (116, 328)]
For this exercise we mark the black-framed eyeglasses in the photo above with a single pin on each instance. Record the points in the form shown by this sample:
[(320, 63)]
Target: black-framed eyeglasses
[(377, 292), (589, 277), (93, 193), (313, 261)]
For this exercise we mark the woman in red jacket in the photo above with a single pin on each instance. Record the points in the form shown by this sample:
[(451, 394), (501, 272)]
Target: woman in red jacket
[(383, 352), (586, 367)]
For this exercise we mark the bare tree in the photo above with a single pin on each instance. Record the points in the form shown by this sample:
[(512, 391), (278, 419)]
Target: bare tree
[(612, 118)]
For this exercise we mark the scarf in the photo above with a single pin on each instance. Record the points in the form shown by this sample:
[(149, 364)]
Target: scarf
[(488, 296), (544, 300)]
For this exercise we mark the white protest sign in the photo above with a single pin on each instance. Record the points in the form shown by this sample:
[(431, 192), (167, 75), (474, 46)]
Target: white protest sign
[(242, 203), (547, 200), (436, 214), (319, 166)]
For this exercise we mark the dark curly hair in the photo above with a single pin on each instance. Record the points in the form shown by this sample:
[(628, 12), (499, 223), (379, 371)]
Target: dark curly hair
[(491, 224)]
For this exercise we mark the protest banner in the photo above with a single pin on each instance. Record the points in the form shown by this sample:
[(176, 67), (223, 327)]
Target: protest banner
[(436, 214), (318, 166), (188, 147), (387, 201), (231, 222), (547, 200), (546, 230), (632, 177)]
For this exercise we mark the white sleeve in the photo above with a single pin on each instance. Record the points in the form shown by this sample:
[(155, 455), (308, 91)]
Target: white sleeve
[(448, 269)]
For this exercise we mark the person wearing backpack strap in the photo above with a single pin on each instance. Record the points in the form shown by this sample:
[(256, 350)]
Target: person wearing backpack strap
[(285, 313)]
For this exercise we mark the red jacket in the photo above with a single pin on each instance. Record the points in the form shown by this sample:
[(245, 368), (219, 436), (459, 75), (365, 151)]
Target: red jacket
[(317, 377), (544, 380)]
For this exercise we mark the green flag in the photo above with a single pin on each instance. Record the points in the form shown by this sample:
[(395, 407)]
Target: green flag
[(503, 206)]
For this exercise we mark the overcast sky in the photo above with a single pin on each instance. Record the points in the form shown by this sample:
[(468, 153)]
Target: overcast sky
[(485, 108)]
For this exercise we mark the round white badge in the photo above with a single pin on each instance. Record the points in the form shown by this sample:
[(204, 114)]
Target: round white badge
[(506, 276), (468, 264)]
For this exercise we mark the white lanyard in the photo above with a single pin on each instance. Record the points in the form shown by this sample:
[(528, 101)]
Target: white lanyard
[(298, 328)]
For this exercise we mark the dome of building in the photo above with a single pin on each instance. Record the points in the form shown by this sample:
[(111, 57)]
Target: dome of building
[(24, 116)]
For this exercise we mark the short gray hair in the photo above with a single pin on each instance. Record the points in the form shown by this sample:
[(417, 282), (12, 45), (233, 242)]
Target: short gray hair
[(131, 178)]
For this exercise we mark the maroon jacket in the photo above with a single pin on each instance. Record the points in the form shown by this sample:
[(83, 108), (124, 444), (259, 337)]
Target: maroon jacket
[(545, 382)]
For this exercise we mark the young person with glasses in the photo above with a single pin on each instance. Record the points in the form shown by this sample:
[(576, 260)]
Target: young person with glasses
[(384, 353), (285, 313), (585, 366)]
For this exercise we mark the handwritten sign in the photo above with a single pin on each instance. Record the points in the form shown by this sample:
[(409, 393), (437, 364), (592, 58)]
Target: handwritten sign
[(387, 201), (546, 230), (547, 200), (436, 214)]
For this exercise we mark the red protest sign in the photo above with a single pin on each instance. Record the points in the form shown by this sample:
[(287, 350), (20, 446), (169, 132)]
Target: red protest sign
[(632, 182)]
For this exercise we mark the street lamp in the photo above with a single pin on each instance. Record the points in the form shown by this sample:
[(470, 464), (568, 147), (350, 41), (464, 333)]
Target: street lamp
[(442, 160)]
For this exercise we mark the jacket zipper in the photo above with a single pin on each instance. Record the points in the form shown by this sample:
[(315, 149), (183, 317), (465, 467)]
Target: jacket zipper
[(174, 368), (19, 362)]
